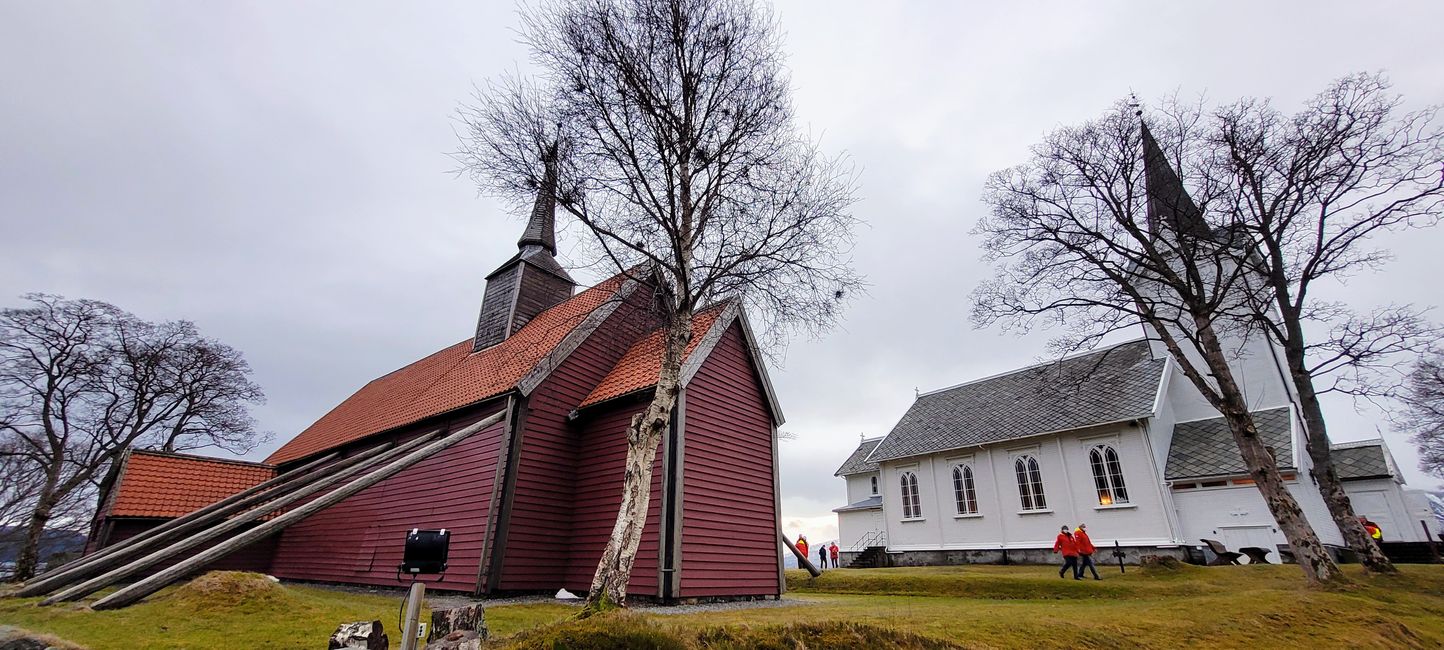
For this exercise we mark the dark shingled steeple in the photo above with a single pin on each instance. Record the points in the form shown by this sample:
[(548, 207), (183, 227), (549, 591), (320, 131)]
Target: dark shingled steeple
[(541, 229), (532, 280), (1169, 206)]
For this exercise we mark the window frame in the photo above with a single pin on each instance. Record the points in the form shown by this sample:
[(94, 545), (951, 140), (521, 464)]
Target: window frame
[(876, 485), (1029, 474), (1106, 466), (965, 490), (912, 508)]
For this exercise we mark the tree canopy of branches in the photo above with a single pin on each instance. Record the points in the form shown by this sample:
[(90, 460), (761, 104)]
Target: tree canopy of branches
[(1308, 191), (1424, 411), (81, 382), (669, 128), (1096, 233)]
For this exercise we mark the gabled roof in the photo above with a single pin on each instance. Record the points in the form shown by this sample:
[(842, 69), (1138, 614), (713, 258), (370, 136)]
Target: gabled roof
[(1110, 385), (1361, 460), (155, 484), (1206, 448), (637, 370), (858, 463), (452, 378)]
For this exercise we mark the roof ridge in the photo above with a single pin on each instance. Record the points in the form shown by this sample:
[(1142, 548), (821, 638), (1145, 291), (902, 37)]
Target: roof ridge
[(197, 457), (1354, 444), (1042, 364)]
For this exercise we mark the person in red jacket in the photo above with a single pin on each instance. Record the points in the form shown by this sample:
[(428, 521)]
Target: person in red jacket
[(832, 550), (1068, 546), (1085, 552)]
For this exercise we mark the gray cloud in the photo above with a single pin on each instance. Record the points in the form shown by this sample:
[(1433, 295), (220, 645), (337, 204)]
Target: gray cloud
[(277, 173)]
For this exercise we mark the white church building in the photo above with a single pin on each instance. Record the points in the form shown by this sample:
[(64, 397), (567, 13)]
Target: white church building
[(989, 470), (1118, 438)]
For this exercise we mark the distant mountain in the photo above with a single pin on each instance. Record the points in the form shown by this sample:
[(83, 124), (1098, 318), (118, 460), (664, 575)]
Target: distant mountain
[(51, 542)]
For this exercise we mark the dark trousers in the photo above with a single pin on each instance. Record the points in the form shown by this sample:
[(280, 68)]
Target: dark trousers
[(1069, 562), (823, 561), (1085, 561)]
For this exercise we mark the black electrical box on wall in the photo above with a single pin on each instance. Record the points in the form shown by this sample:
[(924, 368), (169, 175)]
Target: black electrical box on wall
[(426, 551)]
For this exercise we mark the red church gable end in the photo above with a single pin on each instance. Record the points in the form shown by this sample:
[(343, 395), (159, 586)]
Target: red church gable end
[(729, 541)]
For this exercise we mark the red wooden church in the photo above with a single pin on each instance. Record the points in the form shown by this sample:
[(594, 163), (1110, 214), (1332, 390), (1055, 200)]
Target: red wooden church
[(531, 499)]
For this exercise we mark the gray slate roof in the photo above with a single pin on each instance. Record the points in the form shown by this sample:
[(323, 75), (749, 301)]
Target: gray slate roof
[(1110, 385), (870, 503), (1360, 461), (1206, 447), (857, 463)]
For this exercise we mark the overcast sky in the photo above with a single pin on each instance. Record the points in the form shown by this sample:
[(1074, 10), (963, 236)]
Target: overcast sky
[(277, 172)]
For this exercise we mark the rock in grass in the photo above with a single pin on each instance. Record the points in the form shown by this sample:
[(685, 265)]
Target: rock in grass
[(367, 635)]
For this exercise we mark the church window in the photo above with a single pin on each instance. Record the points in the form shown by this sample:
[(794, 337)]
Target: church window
[(874, 485), (965, 494), (1030, 483), (912, 507), (1107, 475)]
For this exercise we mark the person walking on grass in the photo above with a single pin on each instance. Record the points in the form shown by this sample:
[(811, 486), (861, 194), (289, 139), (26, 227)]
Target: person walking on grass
[(1085, 552), (822, 555), (801, 545), (1068, 547)]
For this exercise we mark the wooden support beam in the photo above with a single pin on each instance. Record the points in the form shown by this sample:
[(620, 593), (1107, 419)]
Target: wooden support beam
[(97, 562), (113, 574), (155, 583), (802, 560)]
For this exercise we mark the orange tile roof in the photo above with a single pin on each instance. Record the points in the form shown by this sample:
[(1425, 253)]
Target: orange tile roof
[(638, 368), (169, 485), (447, 380)]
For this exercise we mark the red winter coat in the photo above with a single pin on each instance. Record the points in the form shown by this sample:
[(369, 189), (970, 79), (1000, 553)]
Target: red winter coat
[(1066, 545), (833, 551), (1085, 545), (801, 547)]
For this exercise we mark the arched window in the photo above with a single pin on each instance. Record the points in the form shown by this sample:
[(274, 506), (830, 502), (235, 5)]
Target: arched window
[(1107, 475), (965, 495), (1030, 483), (912, 508), (874, 485)]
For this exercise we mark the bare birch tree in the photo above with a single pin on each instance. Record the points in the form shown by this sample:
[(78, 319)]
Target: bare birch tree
[(1309, 191), (669, 126), (1096, 233), (82, 381)]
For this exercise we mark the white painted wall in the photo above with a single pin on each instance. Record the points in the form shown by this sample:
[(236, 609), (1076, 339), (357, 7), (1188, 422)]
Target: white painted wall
[(1382, 500), (859, 487), (855, 525), (1067, 485)]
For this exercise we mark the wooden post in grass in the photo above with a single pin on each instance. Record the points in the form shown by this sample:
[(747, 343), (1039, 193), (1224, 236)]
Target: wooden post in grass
[(411, 629), (1118, 553), (155, 583), (802, 560)]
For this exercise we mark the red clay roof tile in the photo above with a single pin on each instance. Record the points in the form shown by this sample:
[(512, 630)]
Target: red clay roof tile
[(447, 380), (638, 368), (170, 485)]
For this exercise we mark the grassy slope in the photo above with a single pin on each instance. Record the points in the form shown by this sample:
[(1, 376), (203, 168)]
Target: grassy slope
[(976, 606)]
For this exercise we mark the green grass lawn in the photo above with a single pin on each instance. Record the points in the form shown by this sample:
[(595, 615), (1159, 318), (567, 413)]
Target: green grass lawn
[(973, 606)]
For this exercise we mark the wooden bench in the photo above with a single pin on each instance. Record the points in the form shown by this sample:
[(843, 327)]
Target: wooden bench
[(1256, 555), (1222, 556)]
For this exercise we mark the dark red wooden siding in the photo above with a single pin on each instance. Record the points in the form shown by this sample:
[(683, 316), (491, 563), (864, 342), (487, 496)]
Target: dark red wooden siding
[(729, 510), (602, 463), (360, 540), (253, 557), (539, 528)]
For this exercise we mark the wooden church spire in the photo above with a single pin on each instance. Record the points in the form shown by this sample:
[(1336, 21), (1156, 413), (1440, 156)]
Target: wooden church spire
[(532, 280)]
